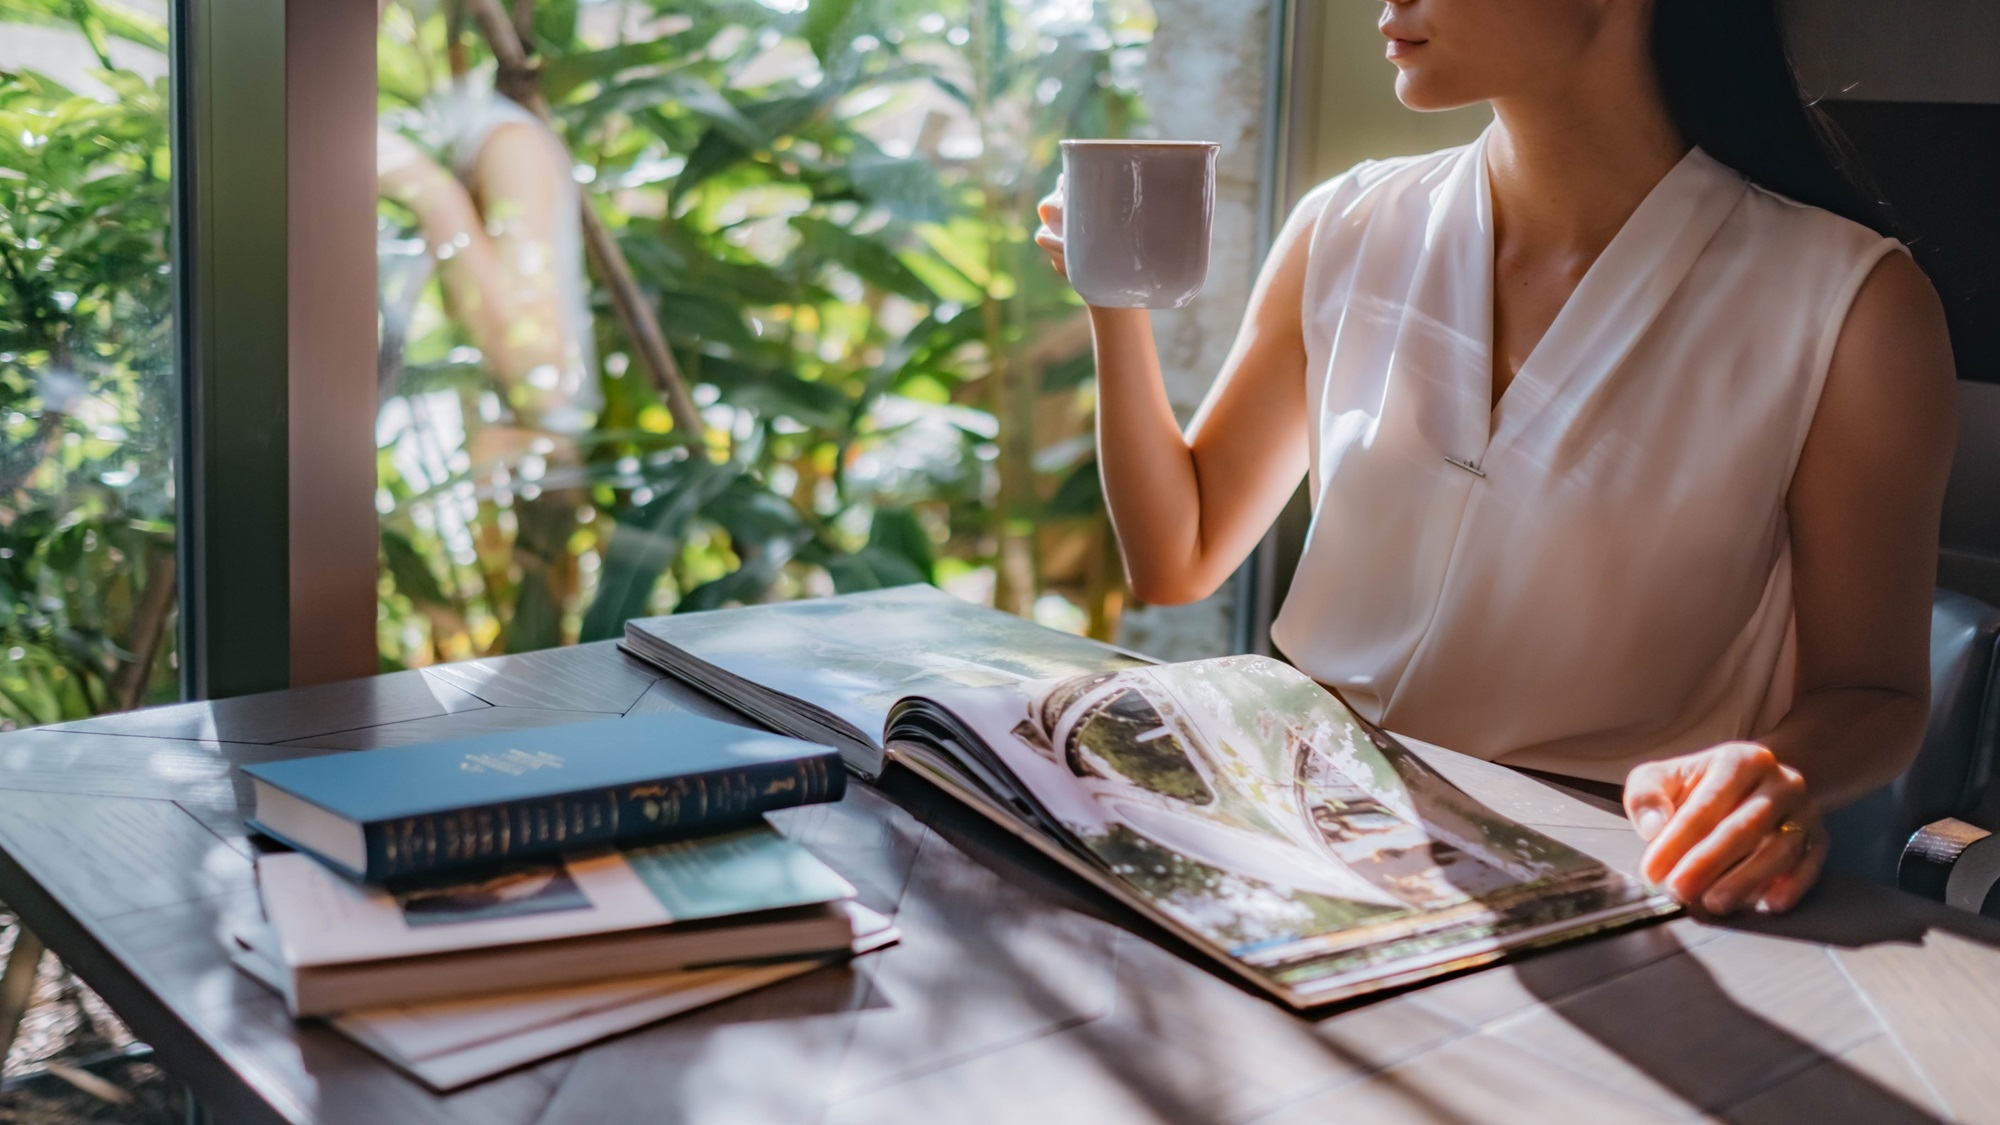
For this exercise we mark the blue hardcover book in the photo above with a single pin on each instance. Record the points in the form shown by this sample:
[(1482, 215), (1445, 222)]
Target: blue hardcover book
[(419, 810)]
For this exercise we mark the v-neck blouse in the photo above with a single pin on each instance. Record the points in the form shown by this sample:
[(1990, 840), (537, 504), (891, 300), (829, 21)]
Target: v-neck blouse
[(1596, 571)]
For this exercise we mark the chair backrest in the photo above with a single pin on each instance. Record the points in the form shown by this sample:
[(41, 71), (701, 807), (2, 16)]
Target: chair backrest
[(1969, 543), (1954, 769)]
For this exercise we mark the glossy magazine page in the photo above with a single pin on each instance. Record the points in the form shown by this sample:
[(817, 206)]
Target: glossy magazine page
[(1248, 808), (845, 661)]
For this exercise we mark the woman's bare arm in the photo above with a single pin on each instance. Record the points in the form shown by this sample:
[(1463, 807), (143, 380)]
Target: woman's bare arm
[(1188, 508), (1864, 509), (1865, 506)]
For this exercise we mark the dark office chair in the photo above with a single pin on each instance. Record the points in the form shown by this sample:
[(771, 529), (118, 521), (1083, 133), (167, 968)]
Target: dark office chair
[(1926, 830)]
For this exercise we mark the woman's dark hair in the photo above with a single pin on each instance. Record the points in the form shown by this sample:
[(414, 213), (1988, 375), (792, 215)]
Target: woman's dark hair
[(1729, 85)]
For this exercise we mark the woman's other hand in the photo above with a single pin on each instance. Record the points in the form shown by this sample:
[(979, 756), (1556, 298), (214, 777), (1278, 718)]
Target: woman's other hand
[(1727, 828), (1050, 237)]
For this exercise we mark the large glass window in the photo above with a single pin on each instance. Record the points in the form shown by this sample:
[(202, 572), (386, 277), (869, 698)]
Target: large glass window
[(88, 402), (870, 375)]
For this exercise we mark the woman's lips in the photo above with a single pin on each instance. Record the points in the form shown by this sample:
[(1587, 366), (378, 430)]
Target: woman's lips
[(1404, 48)]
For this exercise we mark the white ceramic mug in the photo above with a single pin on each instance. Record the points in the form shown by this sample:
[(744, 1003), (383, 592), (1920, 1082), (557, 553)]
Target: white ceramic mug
[(1137, 216)]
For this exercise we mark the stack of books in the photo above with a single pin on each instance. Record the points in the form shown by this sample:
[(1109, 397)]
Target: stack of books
[(466, 907)]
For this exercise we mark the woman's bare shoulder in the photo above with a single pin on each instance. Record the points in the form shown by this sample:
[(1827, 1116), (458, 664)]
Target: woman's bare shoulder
[(1896, 338), (1891, 386)]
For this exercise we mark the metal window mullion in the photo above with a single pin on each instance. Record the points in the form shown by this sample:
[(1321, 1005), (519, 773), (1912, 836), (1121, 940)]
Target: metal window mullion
[(230, 252), (331, 87)]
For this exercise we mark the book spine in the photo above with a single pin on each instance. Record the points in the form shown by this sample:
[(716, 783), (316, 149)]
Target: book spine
[(439, 842)]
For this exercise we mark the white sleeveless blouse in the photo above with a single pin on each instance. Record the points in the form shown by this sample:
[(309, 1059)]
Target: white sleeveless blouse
[(1598, 571)]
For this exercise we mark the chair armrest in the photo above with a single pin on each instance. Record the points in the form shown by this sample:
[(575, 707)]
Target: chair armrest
[(1953, 862)]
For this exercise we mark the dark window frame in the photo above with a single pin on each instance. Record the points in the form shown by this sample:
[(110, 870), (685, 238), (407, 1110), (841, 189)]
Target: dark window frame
[(274, 261)]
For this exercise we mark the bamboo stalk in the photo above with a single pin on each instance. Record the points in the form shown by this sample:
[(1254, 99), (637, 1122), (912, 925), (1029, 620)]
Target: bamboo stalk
[(519, 78)]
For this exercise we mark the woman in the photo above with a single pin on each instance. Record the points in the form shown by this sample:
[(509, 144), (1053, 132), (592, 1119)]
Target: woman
[(1626, 435)]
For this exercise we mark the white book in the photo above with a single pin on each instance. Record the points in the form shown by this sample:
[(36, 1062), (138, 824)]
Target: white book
[(746, 895), (323, 918), (450, 1044)]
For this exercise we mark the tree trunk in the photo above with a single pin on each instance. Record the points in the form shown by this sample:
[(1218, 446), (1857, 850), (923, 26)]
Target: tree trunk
[(149, 628)]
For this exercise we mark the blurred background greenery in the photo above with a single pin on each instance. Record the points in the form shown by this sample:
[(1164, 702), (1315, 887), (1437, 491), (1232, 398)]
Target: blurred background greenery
[(87, 389), (825, 208), (829, 211), (89, 412)]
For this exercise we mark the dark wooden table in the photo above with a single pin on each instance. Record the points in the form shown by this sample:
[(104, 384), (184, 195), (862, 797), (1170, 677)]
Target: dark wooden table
[(1012, 998)]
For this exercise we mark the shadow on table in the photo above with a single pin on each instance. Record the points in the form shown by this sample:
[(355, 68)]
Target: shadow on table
[(1670, 1019), (1673, 1022), (1853, 913), (1132, 1060)]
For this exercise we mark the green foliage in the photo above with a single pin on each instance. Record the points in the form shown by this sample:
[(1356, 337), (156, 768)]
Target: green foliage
[(832, 211), (87, 396), (840, 283), (98, 24)]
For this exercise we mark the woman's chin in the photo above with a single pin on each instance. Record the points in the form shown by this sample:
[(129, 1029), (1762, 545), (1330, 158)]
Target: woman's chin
[(1426, 94)]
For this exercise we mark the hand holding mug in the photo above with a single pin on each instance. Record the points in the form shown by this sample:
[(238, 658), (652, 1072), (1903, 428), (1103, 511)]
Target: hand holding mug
[(1129, 222), (1050, 236)]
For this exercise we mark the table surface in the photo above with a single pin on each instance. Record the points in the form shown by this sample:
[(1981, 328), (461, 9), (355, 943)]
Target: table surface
[(1015, 995)]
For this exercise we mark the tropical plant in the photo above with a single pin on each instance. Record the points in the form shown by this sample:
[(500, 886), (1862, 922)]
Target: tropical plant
[(87, 395), (828, 209)]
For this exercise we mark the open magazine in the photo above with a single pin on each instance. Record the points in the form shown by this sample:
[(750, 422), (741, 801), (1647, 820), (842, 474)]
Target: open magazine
[(1234, 801)]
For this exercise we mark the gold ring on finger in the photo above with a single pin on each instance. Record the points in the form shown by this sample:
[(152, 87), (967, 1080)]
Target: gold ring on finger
[(1794, 828)]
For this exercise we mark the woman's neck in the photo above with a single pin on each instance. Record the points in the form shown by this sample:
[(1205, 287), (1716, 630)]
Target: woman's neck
[(1568, 170)]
